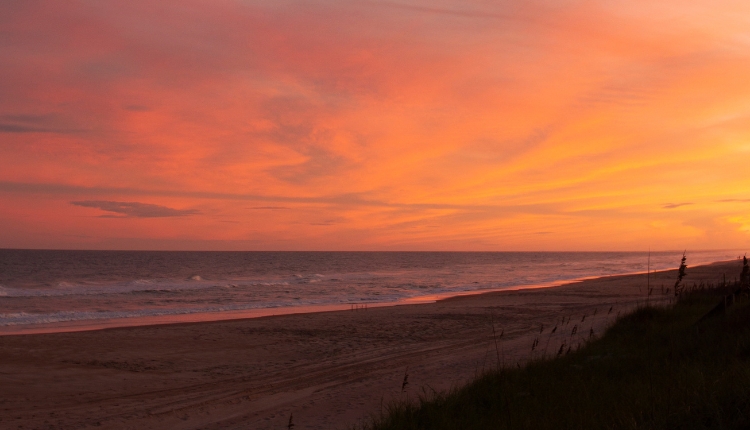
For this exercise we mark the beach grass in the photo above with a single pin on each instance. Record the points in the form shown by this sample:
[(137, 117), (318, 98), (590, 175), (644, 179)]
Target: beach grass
[(675, 367)]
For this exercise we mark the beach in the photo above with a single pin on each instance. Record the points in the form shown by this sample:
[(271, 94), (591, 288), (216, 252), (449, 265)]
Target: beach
[(325, 370)]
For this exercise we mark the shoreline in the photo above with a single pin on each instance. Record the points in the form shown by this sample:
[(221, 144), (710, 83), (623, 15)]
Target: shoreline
[(235, 315), (328, 369)]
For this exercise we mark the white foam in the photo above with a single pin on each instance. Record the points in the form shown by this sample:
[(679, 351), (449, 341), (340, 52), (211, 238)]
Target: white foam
[(136, 286), (142, 282), (25, 318)]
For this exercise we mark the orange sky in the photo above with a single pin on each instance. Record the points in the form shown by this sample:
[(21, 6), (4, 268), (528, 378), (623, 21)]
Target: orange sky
[(375, 125)]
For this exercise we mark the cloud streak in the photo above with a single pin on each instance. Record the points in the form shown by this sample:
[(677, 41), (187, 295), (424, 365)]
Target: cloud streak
[(675, 205), (135, 209), (33, 124), (345, 200), (442, 11)]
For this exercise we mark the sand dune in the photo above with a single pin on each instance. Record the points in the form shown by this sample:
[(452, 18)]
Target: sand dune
[(328, 369)]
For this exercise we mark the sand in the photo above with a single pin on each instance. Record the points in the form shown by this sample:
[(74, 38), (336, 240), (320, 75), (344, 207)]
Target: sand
[(328, 369)]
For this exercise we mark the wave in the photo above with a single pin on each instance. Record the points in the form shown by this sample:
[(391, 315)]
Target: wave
[(28, 318), (137, 286), (80, 298)]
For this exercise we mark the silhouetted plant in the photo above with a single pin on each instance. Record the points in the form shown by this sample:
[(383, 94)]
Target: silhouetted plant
[(680, 275), (494, 337), (406, 380)]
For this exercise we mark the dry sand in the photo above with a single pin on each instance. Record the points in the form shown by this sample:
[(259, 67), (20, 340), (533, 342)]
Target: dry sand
[(330, 369)]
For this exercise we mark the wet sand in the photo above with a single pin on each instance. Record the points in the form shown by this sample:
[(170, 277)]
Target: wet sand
[(328, 369)]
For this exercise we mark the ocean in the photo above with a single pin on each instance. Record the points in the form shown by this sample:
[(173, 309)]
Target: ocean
[(53, 290)]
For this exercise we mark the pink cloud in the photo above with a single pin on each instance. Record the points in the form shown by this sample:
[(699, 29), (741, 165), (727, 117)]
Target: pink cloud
[(380, 115)]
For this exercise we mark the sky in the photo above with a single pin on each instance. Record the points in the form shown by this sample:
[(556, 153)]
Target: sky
[(504, 125)]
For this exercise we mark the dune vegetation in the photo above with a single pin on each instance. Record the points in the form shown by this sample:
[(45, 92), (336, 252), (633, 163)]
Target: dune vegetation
[(682, 366)]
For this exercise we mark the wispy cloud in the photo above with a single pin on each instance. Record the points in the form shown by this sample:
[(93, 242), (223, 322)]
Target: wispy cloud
[(675, 205), (135, 209), (460, 120), (350, 200), (461, 13), (319, 164), (25, 123)]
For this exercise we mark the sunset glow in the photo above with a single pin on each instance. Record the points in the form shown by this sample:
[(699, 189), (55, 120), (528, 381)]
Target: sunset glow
[(375, 125)]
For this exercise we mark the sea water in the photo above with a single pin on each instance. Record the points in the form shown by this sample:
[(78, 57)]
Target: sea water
[(54, 288)]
